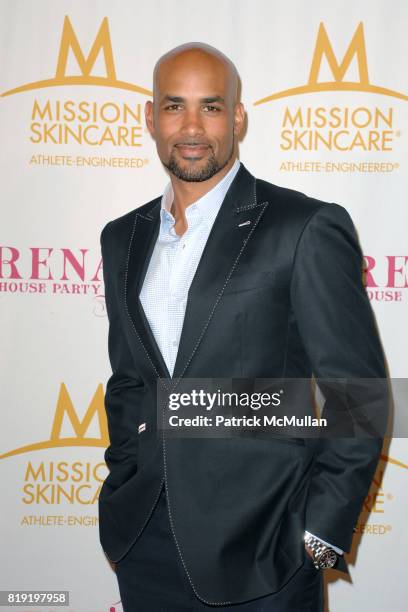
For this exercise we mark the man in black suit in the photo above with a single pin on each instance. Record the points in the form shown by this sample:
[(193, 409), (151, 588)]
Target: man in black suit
[(227, 276)]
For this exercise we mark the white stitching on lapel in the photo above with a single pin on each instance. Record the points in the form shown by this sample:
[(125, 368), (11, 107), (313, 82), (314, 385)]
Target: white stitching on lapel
[(144, 217), (249, 206), (222, 291)]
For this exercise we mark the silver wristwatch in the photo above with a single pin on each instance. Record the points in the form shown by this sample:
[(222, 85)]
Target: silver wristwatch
[(324, 557)]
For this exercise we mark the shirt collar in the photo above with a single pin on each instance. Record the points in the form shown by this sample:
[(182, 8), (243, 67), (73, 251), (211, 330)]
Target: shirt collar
[(208, 205)]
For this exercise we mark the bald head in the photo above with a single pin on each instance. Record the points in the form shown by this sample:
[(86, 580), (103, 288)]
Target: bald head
[(200, 56), (195, 116)]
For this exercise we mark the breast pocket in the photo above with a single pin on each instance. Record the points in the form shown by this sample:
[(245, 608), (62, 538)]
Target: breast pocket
[(247, 281)]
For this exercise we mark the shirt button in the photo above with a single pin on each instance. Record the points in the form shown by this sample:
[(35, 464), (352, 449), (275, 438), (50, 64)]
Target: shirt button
[(174, 342)]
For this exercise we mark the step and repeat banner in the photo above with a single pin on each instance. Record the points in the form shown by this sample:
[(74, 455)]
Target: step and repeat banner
[(325, 87)]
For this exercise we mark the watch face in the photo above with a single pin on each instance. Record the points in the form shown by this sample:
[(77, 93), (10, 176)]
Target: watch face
[(328, 559)]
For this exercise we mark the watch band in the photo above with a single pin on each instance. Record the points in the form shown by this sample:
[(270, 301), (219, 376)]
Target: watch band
[(324, 557)]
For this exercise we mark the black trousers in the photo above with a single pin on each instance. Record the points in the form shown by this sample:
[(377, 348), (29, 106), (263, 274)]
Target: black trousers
[(151, 578)]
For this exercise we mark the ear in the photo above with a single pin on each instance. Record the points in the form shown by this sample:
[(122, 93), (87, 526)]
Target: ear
[(239, 118), (149, 117)]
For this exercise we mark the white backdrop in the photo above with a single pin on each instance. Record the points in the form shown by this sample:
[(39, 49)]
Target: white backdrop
[(75, 153)]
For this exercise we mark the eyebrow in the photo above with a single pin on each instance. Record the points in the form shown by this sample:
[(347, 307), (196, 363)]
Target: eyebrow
[(207, 100)]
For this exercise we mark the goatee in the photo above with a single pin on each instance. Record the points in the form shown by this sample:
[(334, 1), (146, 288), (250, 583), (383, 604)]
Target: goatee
[(199, 174)]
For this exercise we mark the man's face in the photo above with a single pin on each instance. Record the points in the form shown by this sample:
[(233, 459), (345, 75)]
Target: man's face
[(194, 118)]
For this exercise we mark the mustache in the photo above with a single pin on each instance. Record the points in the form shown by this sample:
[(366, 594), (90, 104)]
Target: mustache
[(191, 143)]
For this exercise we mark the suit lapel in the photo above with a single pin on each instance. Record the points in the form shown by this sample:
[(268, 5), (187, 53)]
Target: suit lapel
[(220, 258), (145, 231), (233, 227)]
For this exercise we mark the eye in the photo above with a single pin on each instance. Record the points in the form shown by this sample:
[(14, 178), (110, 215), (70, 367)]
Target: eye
[(211, 108), (172, 107)]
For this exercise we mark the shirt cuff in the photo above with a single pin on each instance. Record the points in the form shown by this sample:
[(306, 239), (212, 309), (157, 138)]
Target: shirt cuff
[(339, 551)]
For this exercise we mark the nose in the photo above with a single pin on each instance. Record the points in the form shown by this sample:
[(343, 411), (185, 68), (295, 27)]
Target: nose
[(192, 124)]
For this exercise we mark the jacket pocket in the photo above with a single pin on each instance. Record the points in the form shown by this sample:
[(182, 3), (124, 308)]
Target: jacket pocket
[(247, 282)]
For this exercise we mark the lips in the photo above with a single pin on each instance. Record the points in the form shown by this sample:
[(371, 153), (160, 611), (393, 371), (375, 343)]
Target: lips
[(192, 150)]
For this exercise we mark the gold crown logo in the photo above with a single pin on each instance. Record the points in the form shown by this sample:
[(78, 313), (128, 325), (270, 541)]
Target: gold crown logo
[(69, 41), (95, 409), (324, 48)]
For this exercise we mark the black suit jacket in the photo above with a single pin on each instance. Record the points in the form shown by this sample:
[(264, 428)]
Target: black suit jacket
[(281, 296)]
